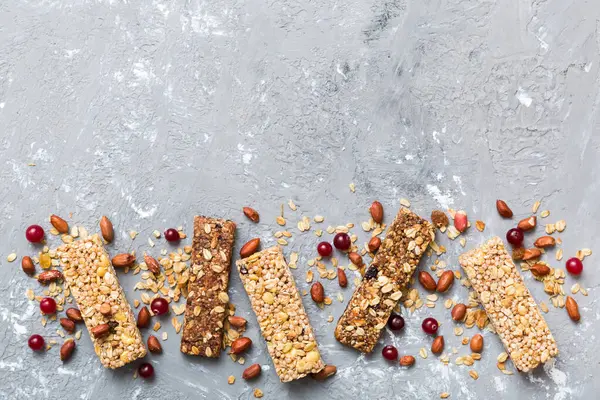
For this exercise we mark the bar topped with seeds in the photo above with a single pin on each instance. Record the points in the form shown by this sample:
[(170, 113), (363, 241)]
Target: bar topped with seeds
[(207, 297), (391, 270), (107, 315), (509, 305), (280, 313)]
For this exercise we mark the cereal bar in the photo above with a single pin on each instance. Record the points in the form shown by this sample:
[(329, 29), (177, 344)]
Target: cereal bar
[(391, 270), (207, 297), (510, 307), (92, 280), (281, 315)]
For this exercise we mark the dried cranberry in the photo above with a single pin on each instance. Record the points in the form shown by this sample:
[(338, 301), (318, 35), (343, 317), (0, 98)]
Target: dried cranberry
[(430, 325), (172, 235), (342, 241), (36, 342), (574, 266), (34, 233), (396, 322), (324, 249), (159, 306), (515, 237), (371, 272), (146, 370), (389, 352), (48, 305)]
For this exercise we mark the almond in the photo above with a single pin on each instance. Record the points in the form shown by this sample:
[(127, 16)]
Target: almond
[(539, 270), (143, 319), (458, 312), (317, 292), (530, 254), (325, 373), (154, 345), (376, 211), (152, 264), (374, 244), (427, 280), (66, 350), (445, 281), (100, 330), (59, 224), (477, 343), (236, 322), (439, 218), (355, 258), (67, 325), (544, 241), (342, 279), (251, 214), (572, 309), (52, 275), (27, 265), (251, 372), (106, 310), (74, 315), (250, 248), (438, 345), (503, 209), (106, 227), (240, 345), (461, 223), (407, 361), (123, 260), (528, 223)]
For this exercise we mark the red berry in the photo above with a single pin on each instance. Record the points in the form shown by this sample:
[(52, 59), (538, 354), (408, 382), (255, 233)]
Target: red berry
[(574, 266), (159, 306), (389, 352), (430, 325), (396, 322), (515, 237), (146, 370), (324, 249), (172, 235), (342, 241), (34, 233), (48, 305), (36, 342)]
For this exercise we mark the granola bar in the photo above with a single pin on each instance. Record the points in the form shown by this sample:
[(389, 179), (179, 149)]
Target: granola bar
[(509, 305), (281, 315), (391, 270), (93, 282), (207, 297)]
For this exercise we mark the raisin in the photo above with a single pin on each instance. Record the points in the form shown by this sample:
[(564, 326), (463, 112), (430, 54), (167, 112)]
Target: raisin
[(371, 272), (243, 270)]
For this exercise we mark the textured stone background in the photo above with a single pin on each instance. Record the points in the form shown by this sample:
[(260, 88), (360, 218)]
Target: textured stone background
[(151, 112)]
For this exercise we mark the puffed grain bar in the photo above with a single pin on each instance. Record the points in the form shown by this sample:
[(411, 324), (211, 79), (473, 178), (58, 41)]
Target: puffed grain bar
[(380, 289), (509, 305), (280, 313), (207, 298), (92, 281)]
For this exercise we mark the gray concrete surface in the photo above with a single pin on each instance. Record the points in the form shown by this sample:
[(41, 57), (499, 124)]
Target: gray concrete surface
[(153, 111)]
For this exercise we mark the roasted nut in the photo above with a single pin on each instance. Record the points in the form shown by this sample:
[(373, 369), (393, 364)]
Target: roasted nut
[(407, 361), (503, 209), (154, 345), (123, 260), (438, 345), (74, 315), (152, 264), (458, 312), (544, 241), (461, 223), (445, 281), (530, 254), (59, 224), (240, 345), (106, 228), (528, 223), (317, 292), (66, 350), (251, 214), (376, 211), (518, 253), (27, 265), (427, 281), (374, 244), (52, 275), (539, 270), (67, 325), (355, 258), (143, 320), (250, 248), (105, 309), (251, 372), (325, 373), (237, 322), (439, 219), (572, 309), (342, 279), (100, 330), (476, 343)]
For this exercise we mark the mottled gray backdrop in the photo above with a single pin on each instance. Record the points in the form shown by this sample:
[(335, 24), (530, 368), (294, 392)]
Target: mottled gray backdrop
[(153, 111)]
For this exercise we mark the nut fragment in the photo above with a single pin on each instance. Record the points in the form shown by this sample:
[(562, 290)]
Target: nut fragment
[(52, 275), (251, 372), (528, 223), (123, 260), (530, 254), (325, 373), (237, 322), (476, 343), (27, 265), (154, 345), (66, 350), (67, 325), (445, 281), (503, 209), (240, 345), (438, 345), (427, 280), (59, 224), (355, 258), (439, 218), (544, 241), (459, 311), (100, 330), (317, 292), (106, 228), (376, 211), (461, 222), (407, 361), (74, 315), (152, 264), (342, 279), (250, 248), (251, 213), (539, 270), (374, 244), (572, 309), (143, 320), (105, 309)]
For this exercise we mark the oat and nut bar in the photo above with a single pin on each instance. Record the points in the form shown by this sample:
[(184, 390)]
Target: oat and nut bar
[(207, 298), (510, 307), (380, 289), (93, 283), (280, 313)]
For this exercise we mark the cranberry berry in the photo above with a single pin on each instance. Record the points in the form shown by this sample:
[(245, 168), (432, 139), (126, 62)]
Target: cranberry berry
[(159, 306), (515, 237), (172, 235), (146, 370), (324, 249), (430, 326), (342, 241), (389, 352), (574, 266), (36, 342), (48, 305), (396, 322), (34, 233)]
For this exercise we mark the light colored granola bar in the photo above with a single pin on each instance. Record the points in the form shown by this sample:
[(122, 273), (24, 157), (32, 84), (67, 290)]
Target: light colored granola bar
[(93, 283), (280, 313), (510, 307), (207, 299), (391, 270)]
